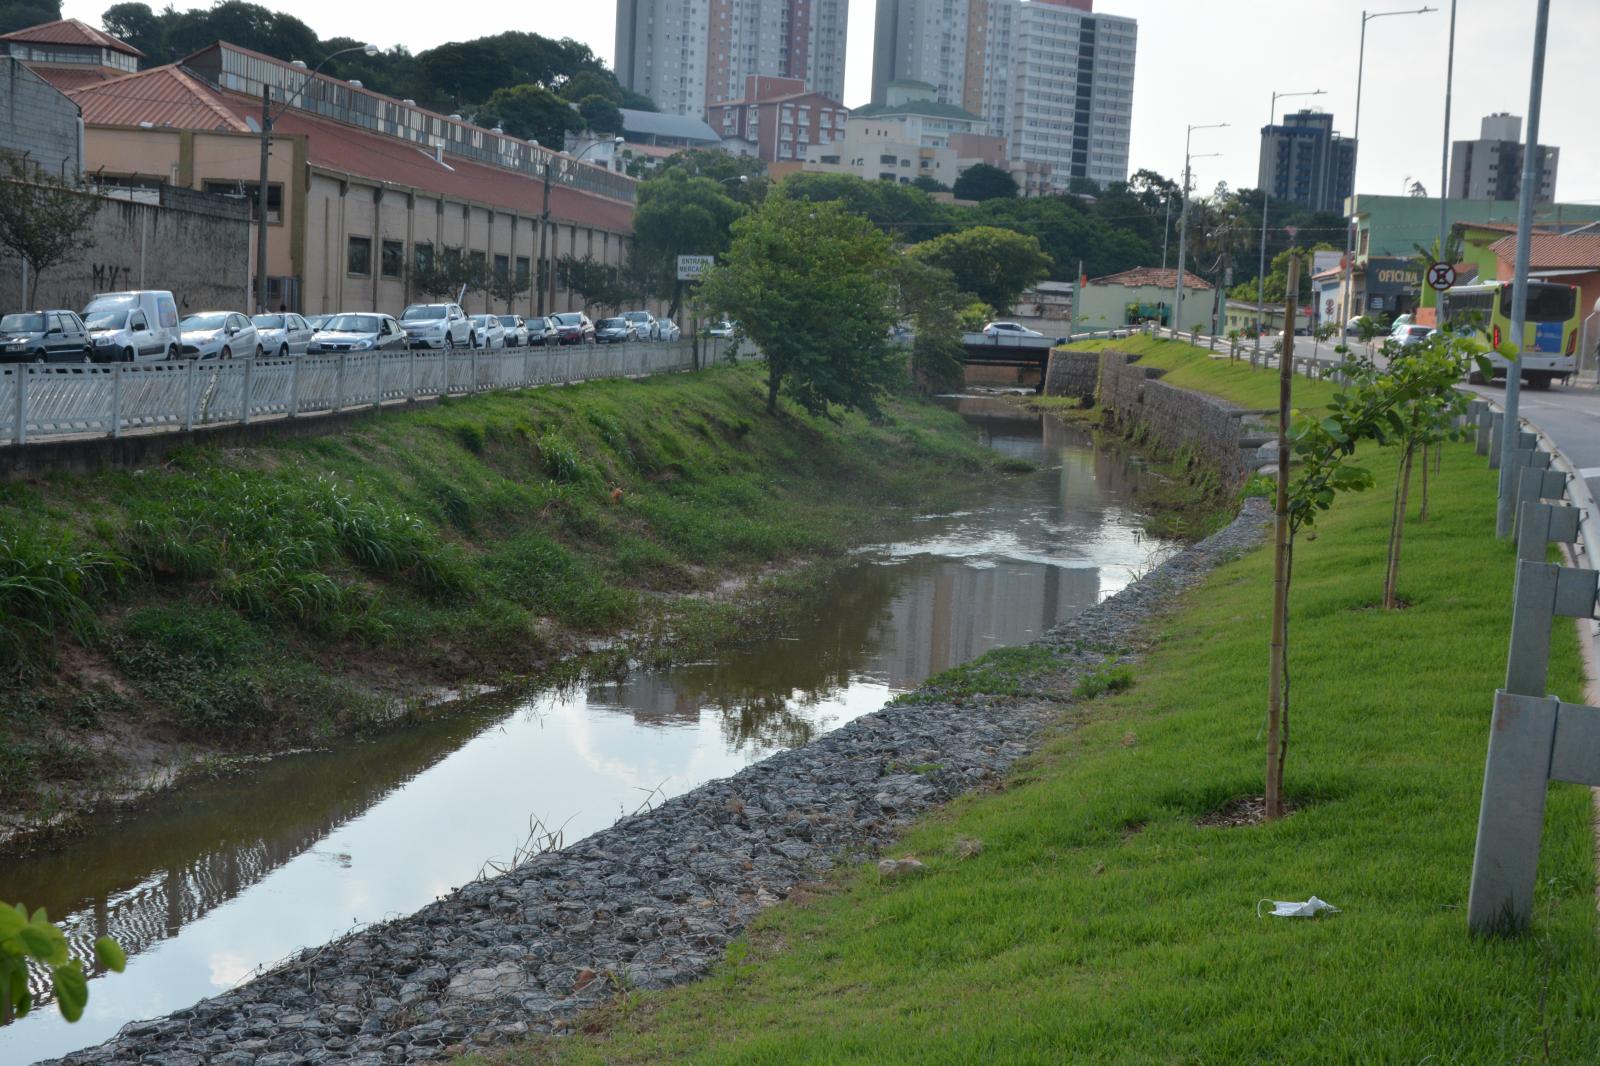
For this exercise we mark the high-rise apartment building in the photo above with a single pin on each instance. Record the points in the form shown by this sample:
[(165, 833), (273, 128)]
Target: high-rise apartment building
[(1490, 168), (688, 54), (1050, 76), (1304, 160)]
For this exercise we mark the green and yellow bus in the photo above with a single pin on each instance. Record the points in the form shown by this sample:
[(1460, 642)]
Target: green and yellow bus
[(1549, 345)]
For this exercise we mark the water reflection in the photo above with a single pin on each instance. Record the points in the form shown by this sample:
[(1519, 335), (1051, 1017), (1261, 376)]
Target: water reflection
[(204, 886)]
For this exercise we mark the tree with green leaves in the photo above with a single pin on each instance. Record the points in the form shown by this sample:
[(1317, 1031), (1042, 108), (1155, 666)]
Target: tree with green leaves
[(926, 296), (531, 112), (984, 182), (929, 184), (993, 264), (903, 211), (44, 219), (597, 284), (25, 938), (677, 214), (600, 115), (811, 285)]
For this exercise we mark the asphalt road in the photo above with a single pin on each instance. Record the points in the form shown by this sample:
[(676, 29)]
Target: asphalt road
[(1570, 414)]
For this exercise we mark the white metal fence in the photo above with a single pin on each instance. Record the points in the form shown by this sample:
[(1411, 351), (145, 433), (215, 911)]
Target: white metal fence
[(53, 401)]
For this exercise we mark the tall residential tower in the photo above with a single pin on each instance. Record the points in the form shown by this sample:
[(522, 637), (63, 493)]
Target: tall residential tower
[(1490, 168), (1305, 161), (1051, 76), (688, 54)]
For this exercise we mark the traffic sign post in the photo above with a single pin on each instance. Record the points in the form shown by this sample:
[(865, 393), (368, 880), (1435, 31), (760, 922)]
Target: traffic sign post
[(692, 267), (1441, 276)]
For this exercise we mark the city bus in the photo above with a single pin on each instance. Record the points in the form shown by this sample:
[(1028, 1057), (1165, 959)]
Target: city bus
[(1549, 346)]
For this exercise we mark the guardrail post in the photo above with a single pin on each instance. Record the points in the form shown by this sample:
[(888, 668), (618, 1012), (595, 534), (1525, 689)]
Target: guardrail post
[(20, 432), (411, 374), (116, 400), (338, 383), (294, 385), (1541, 524), (191, 393), (244, 403)]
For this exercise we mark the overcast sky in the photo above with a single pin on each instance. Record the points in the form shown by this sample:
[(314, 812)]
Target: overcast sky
[(1200, 62)]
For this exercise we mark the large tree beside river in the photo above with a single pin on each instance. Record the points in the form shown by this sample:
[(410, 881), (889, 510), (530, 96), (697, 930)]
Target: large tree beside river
[(810, 284)]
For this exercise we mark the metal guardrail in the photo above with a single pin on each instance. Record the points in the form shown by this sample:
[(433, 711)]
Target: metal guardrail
[(51, 401)]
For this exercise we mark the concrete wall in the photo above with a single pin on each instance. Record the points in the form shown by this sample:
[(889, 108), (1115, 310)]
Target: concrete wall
[(1170, 418), (195, 245), (37, 119), (1075, 374)]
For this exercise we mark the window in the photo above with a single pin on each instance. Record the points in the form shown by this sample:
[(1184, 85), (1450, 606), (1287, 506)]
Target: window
[(477, 260), (502, 270), (246, 190), (360, 256), (423, 256), (394, 258), (523, 266)]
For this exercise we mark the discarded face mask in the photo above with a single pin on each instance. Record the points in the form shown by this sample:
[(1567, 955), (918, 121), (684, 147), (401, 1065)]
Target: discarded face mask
[(1309, 909)]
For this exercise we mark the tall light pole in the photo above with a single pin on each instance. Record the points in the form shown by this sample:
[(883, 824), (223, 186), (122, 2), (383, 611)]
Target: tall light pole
[(1355, 154), (1531, 167), (1183, 221), (544, 221), (1266, 196), (1444, 154), (267, 118)]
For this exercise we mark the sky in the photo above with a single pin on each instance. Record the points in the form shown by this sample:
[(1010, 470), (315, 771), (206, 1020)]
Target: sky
[(1201, 62)]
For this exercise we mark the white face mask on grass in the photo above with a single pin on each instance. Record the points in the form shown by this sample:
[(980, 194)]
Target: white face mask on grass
[(1308, 909)]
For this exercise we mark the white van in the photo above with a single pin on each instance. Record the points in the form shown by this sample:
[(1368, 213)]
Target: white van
[(130, 327)]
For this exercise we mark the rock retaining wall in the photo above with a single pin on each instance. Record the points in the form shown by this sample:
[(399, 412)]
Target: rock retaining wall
[(655, 899), (1172, 419), (1074, 374)]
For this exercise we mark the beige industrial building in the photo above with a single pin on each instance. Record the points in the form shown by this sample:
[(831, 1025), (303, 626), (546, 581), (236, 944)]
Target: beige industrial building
[(363, 191)]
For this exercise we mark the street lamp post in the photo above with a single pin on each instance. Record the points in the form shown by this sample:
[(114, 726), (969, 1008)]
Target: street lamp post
[(1183, 223), (1266, 196), (544, 223), (267, 118), (1355, 154)]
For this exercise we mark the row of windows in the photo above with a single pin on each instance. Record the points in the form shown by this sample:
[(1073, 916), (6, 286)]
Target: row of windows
[(392, 260)]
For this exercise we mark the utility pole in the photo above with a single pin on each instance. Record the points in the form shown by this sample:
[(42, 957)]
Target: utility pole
[(261, 201), (1519, 283), (540, 280), (1444, 154)]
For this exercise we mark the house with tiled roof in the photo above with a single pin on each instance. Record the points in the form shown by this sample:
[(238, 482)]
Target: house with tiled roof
[(1144, 294), (364, 191), (70, 54)]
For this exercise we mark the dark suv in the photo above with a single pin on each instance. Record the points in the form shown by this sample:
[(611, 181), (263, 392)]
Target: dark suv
[(45, 337)]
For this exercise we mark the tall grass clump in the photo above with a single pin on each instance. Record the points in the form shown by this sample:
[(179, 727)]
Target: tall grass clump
[(48, 582)]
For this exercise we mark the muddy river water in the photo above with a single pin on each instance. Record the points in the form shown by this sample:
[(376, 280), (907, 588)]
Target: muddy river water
[(205, 886)]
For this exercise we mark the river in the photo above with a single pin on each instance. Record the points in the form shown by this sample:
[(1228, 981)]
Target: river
[(206, 885)]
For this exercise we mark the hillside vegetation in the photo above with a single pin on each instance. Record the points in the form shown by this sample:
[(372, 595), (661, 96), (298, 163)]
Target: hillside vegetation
[(254, 598)]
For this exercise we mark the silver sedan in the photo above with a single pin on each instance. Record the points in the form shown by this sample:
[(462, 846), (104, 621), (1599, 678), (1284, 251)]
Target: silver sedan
[(283, 335), (218, 335)]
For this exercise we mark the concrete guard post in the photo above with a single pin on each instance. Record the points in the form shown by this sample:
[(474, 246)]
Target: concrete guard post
[(1533, 739)]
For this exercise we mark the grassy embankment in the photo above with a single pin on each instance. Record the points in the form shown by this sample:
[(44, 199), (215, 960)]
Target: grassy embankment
[(249, 599), (1101, 923), (1190, 367)]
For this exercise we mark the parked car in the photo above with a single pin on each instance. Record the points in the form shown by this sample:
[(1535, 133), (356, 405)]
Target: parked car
[(645, 326), (139, 326), (1009, 329), (487, 332), (217, 335), (542, 332), (361, 332), (667, 330), (573, 327), (614, 331), (45, 337), (1407, 336), (516, 331), (438, 326), (316, 322), (283, 335), (723, 328)]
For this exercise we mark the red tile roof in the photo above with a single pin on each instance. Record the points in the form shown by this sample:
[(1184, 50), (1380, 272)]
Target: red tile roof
[(66, 79), (160, 96), (1160, 277), (71, 31), (1555, 251), (169, 96)]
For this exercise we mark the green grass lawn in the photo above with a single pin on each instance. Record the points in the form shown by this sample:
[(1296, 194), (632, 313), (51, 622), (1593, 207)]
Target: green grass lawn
[(1191, 367), (1101, 924)]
